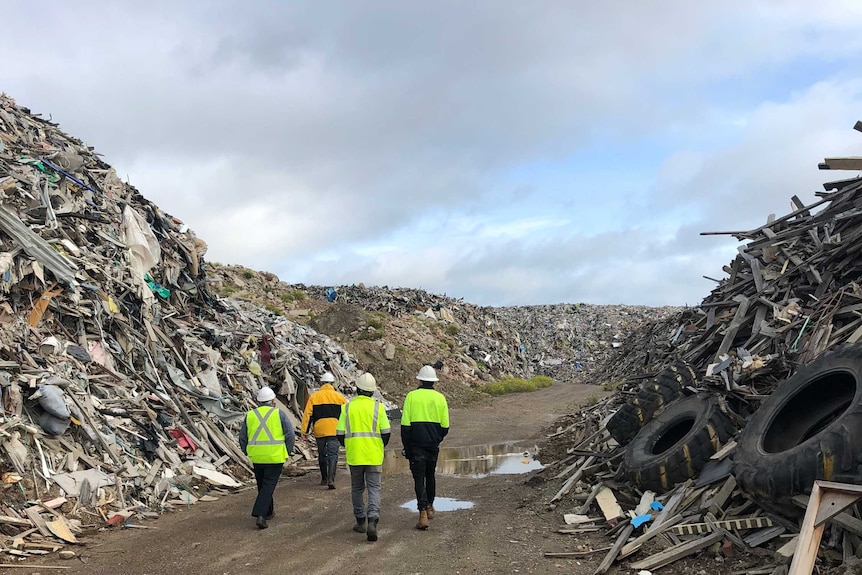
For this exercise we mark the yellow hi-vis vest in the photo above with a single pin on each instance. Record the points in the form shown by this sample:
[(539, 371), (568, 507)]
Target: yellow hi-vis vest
[(362, 423), (265, 436)]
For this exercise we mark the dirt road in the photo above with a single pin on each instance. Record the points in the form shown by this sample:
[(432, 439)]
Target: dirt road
[(312, 532)]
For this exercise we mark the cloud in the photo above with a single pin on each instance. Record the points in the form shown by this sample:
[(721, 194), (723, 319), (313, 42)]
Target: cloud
[(302, 137)]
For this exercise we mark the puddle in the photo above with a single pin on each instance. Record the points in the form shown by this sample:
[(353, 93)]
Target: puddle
[(442, 504), (473, 461)]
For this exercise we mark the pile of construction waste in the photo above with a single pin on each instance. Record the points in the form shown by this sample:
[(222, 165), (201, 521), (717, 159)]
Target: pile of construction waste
[(730, 412), (565, 341), (491, 343), (123, 379), (473, 344)]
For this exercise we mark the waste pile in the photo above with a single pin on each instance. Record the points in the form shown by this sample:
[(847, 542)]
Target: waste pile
[(392, 332), (494, 345), (123, 379), (564, 341), (730, 412)]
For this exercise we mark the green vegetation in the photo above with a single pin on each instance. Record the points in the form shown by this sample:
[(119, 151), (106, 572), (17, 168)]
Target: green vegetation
[(374, 322), (370, 335), (273, 309), (613, 385), (517, 385), (292, 295), (452, 329), (248, 274), (593, 399)]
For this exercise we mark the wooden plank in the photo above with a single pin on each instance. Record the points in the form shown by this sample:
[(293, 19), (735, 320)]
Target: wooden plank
[(154, 469), (567, 486), (843, 519), (736, 323), (38, 520), (720, 500), (742, 523), (634, 545), (762, 536), (615, 550), (676, 552), (784, 554), (15, 521), (843, 163), (728, 448)]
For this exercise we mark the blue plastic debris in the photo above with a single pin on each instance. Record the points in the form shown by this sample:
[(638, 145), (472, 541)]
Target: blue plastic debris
[(656, 506), (640, 520)]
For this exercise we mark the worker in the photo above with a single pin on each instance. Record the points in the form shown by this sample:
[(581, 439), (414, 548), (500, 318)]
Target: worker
[(321, 416), (363, 430), (424, 424), (267, 437)]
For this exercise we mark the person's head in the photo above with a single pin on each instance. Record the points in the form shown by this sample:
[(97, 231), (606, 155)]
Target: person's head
[(366, 384), (327, 378), (266, 396), (427, 376)]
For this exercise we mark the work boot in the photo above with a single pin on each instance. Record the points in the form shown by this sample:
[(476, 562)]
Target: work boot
[(430, 511), (261, 523), (423, 520), (331, 485), (372, 528), (360, 525), (323, 478)]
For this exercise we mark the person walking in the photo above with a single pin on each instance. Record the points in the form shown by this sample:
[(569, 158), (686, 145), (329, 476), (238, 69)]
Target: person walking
[(322, 411), (424, 424), (267, 437), (363, 430)]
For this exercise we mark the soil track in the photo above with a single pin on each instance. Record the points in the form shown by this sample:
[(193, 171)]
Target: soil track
[(312, 534)]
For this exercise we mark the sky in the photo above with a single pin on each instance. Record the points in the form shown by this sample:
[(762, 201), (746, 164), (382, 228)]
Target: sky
[(510, 153)]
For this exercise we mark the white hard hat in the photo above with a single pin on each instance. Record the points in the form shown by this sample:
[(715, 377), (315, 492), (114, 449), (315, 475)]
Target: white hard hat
[(327, 378), (366, 382), (427, 373), (265, 395)]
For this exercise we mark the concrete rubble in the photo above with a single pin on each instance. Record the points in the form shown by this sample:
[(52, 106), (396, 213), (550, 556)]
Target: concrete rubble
[(123, 378), (565, 341)]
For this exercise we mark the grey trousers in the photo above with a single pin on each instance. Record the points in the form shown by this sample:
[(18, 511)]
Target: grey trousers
[(362, 477)]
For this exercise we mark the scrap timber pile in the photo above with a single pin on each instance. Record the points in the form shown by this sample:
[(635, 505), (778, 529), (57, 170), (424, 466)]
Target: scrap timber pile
[(122, 378), (730, 412), (565, 340)]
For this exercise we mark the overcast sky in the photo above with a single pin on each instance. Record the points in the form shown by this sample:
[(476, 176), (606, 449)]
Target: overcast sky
[(504, 152)]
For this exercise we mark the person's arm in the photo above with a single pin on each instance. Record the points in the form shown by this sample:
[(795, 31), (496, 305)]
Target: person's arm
[(289, 433), (306, 418), (339, 428), (444, 421), (405, 427), (385, 429), (243, 436)]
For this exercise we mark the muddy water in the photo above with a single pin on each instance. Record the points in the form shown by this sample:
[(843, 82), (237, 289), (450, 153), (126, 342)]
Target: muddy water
[(442, 504), (473, 461)]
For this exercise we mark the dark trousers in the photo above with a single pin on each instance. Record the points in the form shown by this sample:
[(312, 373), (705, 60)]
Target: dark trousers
[(423, 464), (327, 457), (266, 475)]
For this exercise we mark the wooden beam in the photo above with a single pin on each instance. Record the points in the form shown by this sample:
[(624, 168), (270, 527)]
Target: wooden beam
[(845, 163), (676, 552)]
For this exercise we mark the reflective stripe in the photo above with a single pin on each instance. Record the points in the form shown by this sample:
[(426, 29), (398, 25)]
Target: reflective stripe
[(262, 428), (372, 433)]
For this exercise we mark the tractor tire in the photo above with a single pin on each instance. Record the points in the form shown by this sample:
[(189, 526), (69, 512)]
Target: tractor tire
[(676, 444), (650, 400), (809, 428)]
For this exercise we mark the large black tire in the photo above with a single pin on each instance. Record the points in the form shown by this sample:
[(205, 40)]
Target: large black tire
[(650, 400), (676, 444), (809, 428)]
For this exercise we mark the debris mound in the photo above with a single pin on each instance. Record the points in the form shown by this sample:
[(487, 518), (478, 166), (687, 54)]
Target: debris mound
[(774, 352), (123, 378)]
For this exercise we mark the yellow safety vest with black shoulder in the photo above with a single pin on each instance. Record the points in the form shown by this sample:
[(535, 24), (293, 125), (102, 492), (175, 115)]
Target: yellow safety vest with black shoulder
[(265, 436), (362, 423)]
